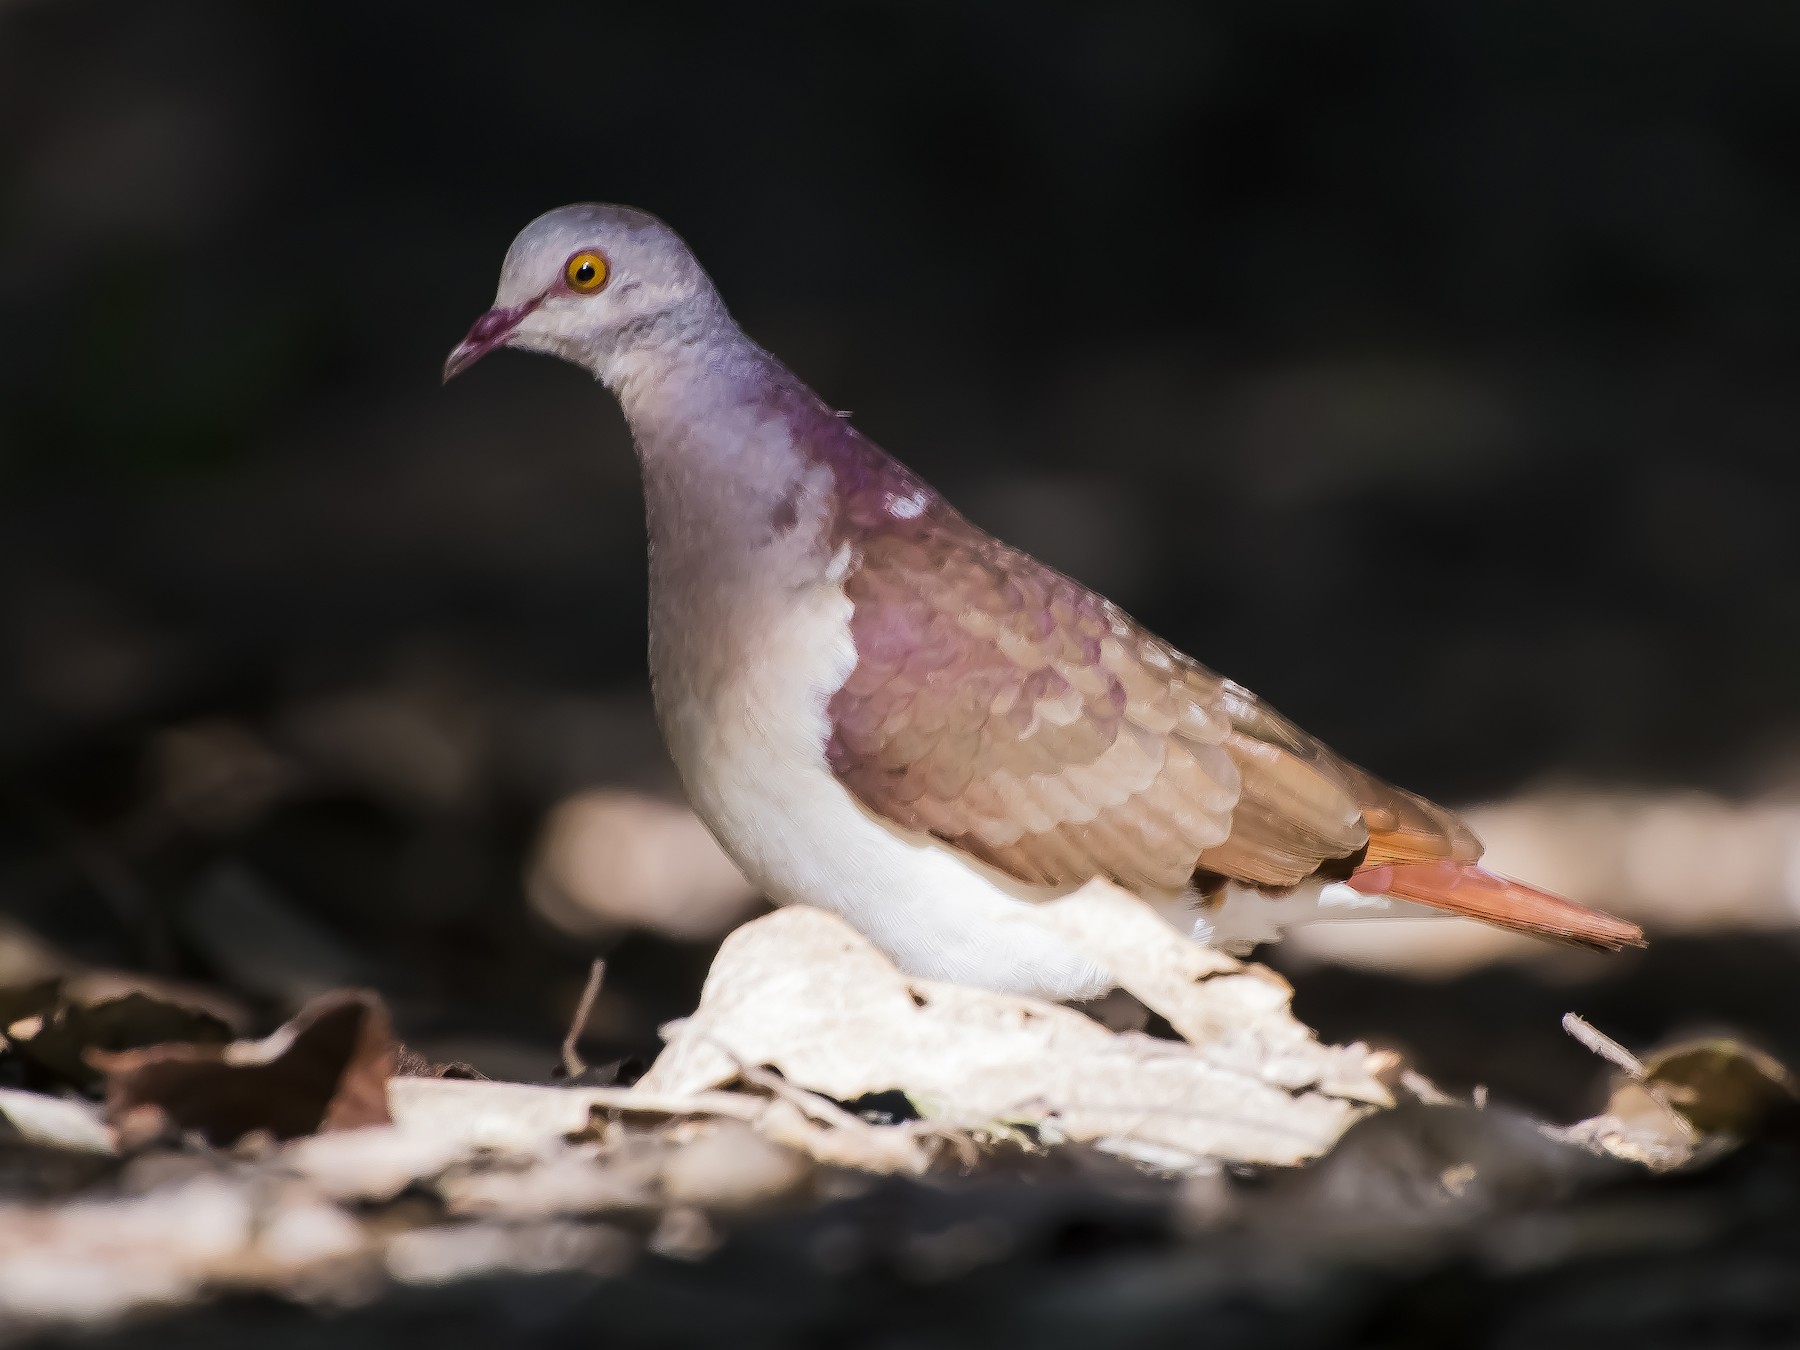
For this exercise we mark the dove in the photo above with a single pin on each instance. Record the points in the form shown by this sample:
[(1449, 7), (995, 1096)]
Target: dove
[(883, 711)]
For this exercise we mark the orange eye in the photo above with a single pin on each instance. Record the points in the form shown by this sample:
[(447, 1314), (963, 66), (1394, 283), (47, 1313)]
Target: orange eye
[(586, 272)]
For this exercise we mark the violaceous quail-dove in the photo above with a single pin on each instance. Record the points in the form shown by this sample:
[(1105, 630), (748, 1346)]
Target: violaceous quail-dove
[(883, 711)]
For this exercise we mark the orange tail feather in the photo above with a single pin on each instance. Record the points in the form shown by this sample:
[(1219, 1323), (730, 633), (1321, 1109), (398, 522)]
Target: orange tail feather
[(1463, 888)]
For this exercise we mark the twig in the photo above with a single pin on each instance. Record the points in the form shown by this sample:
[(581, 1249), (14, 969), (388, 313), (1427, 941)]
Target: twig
[(1424, 1089), (1603, 1045), (572, 1063)]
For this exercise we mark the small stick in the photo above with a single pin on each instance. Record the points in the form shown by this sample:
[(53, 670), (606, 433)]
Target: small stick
[(1603, 1045), (572, 1063)]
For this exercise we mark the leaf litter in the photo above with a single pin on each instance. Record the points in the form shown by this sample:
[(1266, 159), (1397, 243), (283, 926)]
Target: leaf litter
[(327, 1163)]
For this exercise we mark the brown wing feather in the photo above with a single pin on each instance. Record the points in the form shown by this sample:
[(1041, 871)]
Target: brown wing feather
[(1005, 709), (1298, 809), (1404, 827), (1015, 714)]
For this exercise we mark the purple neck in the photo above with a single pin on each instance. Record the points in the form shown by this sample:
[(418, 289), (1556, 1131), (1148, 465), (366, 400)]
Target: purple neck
[(731, 411)]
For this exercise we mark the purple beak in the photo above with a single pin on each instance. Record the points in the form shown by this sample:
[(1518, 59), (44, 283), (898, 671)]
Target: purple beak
[(491, 330)]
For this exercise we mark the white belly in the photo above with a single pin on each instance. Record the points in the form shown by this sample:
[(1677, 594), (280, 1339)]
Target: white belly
[(746, 725), (747, 729), (743, 662)]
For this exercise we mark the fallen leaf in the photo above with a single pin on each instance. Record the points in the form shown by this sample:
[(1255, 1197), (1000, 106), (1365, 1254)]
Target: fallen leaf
[(63, 1039), (97, 1260), (373, 1164), (327, 1069), (560, 1183), (517, 1117), (1635, 1127), (409, 1063), (435, 1256), (525, 1118), (52, 1122), (735, 1168), (1723, 1086), (1235, 1014), (802, 991), (1686, 1104)]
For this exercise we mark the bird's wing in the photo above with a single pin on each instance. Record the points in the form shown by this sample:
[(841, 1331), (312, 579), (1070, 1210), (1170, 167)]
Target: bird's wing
[(1016, 715), (1013, 713), (1400, 826)]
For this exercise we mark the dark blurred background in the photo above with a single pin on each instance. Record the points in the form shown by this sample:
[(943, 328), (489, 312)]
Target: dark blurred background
[(1426, 366)]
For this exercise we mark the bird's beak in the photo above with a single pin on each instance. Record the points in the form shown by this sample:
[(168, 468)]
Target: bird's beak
[(491, 330)]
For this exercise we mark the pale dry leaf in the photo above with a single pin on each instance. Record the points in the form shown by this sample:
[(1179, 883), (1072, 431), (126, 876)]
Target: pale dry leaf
[(562, 1182), (888, 1150), (95, 1260), (1635, 1127), (733, 1167), (524, 1118), (1686, 1104), (804, 992), (433, 1256), (53, 1122), (298, 1232), (1236, 1015), (374, 1164)]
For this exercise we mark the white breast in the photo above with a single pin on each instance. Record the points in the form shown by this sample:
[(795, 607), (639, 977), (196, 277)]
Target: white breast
[(742, 673), (749, 638)]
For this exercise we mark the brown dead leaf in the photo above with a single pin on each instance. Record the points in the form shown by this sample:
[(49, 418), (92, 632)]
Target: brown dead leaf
[(327, 1069), (28, 1000), (409, 1063), (1723, 1086), (65, 1040)]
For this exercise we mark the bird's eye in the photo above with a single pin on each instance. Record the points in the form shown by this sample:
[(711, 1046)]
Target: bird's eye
[(586, 272)]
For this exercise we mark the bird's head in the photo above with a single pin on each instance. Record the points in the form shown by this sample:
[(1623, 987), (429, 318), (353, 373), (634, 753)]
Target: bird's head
[(589, 283)]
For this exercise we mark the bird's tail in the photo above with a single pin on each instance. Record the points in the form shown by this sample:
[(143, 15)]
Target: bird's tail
[(1464, 888)]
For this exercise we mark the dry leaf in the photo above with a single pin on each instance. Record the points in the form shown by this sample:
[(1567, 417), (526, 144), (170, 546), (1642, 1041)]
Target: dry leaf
[(95, 1260), (371, 1165), (435, 1256), (1722, 1086), (1686, 1104), (561, 1183), (804, 992), (52, 1122), (524, 1118), (1236, 1015), (60, 1041), (327, 1069), (512, 1117), (733, 1167)]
